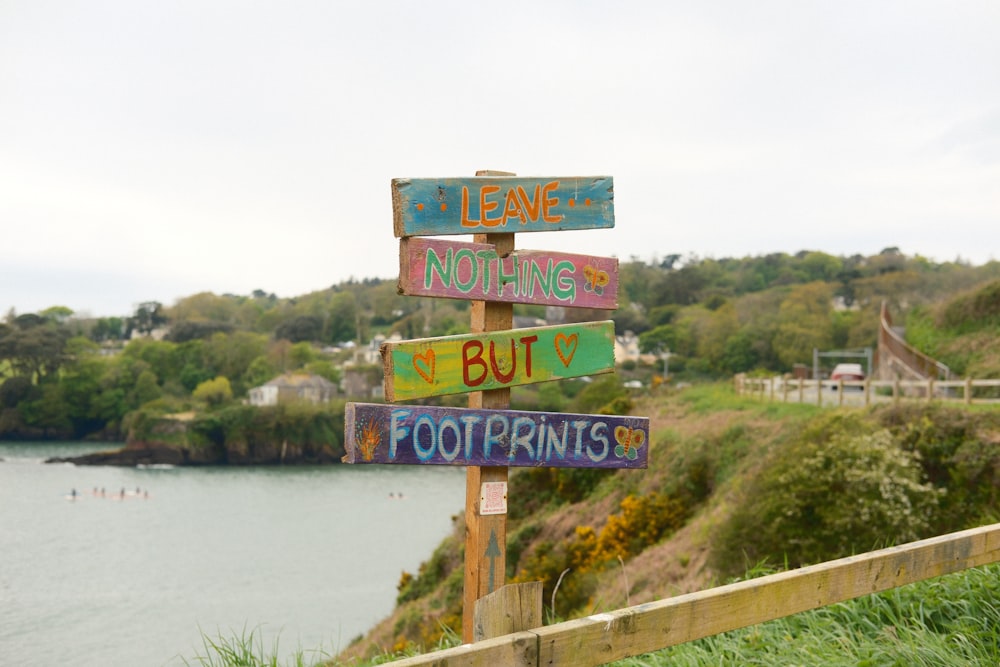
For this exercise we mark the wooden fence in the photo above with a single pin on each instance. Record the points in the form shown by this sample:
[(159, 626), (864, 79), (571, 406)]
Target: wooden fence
[(866, 392), (895, 352), (603, 638)]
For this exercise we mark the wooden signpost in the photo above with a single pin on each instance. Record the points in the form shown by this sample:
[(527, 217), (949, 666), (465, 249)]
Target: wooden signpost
[(501, 204), (491, 360), (429, 435), (454, 270), (488, 437)]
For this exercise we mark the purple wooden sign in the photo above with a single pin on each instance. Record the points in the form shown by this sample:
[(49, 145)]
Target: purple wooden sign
[(456, 270), (427, 435)]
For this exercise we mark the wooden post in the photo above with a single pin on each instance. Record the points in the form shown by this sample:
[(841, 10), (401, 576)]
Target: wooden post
[(485, 536), (868, 391), (840, 392), (512, 608), (802, 389), (819, 393), (968, 391)]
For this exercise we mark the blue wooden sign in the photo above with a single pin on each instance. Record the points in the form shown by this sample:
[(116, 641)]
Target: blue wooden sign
[(430, 435), (501, 204)]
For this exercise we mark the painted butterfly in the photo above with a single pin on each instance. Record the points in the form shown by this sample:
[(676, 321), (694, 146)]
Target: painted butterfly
[(629, 441), (596, 279)]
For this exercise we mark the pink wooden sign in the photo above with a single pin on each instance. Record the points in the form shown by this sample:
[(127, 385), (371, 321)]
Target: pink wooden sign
[(456, 270)]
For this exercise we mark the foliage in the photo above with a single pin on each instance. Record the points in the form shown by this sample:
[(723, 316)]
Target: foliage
[(598, 394), (642, 521), (975, 309), (957, 451), (541, 487), (840, 489), (715, 316), (242, 434), (214, 392), (431, 574)]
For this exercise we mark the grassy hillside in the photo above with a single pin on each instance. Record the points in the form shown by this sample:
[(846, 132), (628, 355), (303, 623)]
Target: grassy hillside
[(961, 331), (733, 484)]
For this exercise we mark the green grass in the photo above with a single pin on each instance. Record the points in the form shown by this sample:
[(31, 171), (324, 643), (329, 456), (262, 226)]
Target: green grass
[(248, 650), (714, 396), (952, 620)]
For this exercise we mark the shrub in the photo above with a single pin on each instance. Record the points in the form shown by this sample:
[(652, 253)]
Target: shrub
[(957, 450), (822, 500)]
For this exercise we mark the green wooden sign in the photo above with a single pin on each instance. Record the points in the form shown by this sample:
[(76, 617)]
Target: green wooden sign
[(479, 362)]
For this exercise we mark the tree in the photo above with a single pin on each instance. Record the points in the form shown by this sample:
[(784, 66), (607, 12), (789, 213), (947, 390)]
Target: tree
[(49, 411), (108, 328), (299, 329), (301, 354), (57, 314), (342, 320), (214, 392), (146, 388), (231, 355), (34, 347), (81, 382), (259, 371), (148, 316), (804, 323), (190, 330)]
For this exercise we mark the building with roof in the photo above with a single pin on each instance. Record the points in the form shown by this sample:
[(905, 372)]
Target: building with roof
[(290, 387)]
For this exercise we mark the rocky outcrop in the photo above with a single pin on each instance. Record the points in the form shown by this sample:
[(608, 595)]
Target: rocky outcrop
[(128, 456), (170, 441)]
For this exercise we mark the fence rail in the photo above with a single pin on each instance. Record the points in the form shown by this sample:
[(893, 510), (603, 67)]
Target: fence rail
[(866, 392), (603, 638), (893, 350)]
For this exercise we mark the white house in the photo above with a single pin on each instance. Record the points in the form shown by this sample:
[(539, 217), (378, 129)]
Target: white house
[(293, 387)]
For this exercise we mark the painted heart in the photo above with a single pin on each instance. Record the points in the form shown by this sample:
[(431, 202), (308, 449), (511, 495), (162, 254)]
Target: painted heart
[(424, 365), (566, 347)]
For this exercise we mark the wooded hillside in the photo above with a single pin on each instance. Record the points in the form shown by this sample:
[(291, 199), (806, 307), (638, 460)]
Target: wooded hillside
[(71, 377)]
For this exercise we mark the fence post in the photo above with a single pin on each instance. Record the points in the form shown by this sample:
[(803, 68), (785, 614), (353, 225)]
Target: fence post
[(868, 392), (802, 388), (510, 608), (968, 391), (784, 388), (840, 392), (819, 393), (930, 390), (895, 391), (770, 393)]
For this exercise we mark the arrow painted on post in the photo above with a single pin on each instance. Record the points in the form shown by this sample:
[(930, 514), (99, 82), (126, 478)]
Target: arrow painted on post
[(493, 552)]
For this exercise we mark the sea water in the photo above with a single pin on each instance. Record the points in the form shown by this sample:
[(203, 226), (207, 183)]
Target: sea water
[(141, 564)]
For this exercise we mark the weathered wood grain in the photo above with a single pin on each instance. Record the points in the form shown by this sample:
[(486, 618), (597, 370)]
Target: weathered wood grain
[(456, 270), (603, 638), (492, 360), (511, 608), (516, 650), (492, 204), (485, 534), (377, 433), (607, 637)]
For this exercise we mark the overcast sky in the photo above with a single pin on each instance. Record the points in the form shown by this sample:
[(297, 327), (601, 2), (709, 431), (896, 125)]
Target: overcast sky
[(151, 150)]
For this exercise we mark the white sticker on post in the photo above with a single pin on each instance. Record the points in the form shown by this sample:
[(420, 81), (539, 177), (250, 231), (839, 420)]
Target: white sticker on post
[(493, 498)]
